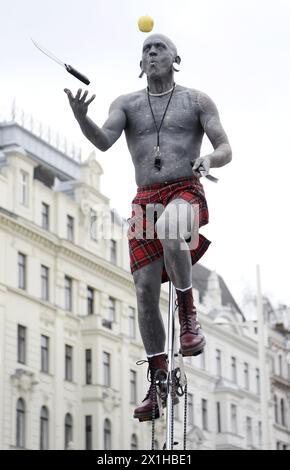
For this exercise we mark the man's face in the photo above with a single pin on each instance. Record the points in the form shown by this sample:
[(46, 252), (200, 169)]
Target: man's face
[(157, 57)]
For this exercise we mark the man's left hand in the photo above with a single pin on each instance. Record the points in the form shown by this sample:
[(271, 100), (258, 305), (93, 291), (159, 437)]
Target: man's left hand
[(201, 166)]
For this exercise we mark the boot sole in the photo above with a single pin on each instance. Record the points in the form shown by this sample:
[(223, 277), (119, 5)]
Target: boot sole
[(194, 351), (148, 416)]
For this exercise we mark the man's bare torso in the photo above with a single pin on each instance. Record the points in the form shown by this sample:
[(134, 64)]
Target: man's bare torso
[(180, 136)]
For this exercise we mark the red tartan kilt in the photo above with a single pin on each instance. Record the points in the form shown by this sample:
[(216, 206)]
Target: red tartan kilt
[(144, 251)]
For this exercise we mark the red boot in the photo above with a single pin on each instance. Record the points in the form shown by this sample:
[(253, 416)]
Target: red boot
[(158, 370), (192, 340)]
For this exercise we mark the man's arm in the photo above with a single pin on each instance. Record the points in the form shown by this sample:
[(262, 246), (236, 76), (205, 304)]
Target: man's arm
[(210, 121), (103, 138)]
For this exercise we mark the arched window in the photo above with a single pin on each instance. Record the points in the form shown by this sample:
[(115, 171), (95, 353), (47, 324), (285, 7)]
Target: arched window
[(107, 435), (134, 442), (282, 408), (44, 428), (68, 430), (276, 409), (20, 423)]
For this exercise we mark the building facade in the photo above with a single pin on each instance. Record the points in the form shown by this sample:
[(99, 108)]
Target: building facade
[(69, 338)]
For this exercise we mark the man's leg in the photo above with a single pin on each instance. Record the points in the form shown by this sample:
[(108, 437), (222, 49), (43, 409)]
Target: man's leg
[(148, 284), (173, 227)]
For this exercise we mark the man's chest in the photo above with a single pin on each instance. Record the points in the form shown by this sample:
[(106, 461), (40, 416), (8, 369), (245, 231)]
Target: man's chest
[(145, 117)]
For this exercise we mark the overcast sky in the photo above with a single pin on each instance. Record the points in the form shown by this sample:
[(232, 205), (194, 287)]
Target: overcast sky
[(237, 51)]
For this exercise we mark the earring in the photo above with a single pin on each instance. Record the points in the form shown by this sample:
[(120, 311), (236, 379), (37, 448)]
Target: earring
[(141, 74), (174, 65)]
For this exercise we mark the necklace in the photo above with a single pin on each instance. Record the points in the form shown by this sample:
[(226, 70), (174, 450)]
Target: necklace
[(157, 153), (161, 94)]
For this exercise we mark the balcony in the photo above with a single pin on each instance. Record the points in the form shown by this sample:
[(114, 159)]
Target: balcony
[(229, 441)]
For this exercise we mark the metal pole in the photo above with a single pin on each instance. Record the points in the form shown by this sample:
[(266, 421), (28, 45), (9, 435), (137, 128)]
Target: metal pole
[(170, 352), (263, 366)]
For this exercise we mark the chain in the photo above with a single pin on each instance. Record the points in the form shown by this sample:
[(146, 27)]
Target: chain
[(154, 403), (172, 406), (185, 417)]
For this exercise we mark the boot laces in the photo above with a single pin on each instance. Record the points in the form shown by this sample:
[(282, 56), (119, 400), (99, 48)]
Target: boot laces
[(153, 376), (189, 324)]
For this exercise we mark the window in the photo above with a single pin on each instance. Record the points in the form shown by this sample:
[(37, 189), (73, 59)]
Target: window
[(88, 366), (45, 216), (68, 293), (20, 423), (246, 376), (44, 429), (202, 361), (68, 363), (218, 363), (70, 228), (44, 283), (107, 369), (68, 430), (190, 410), (273, 365), (258, 382), (204, 414), (90, 300), (21, 271), (280, 361), (107, 435), (94, 233), (44, 353), (132, 323), (276, 409), (24, 186), (249, 428), (234, 369), (88, 432), (133, 387), (134, 442), (282, 408), (218, 414), (111, 311), (21, 344), (234, 419), (113, 251), (260, 432)]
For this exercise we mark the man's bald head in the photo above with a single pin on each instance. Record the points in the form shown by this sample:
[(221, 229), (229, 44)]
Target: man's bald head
[(159, 55), (153, 38)]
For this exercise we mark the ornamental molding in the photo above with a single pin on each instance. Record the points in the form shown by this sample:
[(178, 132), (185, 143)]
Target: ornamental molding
[(24, 381)]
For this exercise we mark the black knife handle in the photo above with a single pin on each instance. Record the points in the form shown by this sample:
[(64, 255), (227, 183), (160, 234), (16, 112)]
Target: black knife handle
[(77, 74)]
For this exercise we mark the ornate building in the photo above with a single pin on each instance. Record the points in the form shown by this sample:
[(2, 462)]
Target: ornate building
[(69, 337)]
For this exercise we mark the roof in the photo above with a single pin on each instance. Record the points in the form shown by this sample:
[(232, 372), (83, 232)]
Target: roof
[(200, 275)]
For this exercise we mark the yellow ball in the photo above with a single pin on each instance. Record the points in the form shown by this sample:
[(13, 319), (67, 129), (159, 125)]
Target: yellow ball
[(145, 24)]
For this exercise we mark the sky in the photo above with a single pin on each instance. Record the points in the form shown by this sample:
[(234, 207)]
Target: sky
[(236, 51)]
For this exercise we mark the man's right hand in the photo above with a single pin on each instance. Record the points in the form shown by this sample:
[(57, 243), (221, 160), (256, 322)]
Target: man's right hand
[(78, 103)]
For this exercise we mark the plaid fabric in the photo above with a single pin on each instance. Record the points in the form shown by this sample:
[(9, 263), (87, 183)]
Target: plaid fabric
[(143, 251)]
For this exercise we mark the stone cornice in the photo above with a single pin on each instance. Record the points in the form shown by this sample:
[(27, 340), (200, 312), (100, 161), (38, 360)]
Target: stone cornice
[(68, 250), (245, 342), (281, 382), (202, 373)]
